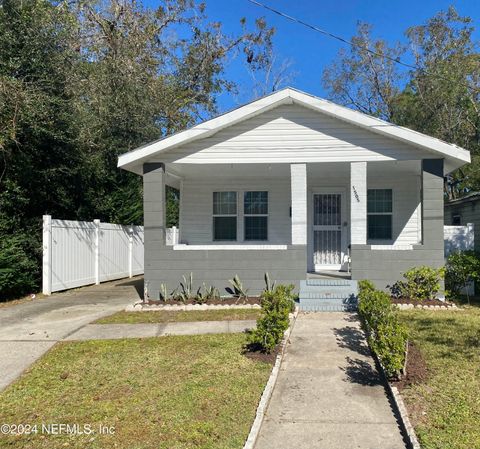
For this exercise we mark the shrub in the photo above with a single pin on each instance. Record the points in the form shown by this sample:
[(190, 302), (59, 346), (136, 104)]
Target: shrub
[(386, 336), (421, 283), (461, 268), (276, 306), (19, 270)]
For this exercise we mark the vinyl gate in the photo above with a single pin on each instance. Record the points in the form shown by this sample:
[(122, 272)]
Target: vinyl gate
[(77, 253)]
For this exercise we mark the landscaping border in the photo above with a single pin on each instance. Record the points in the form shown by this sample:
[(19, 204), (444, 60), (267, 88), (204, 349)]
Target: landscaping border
[(407, 428), (142, 307), (267, 392), (407, 306)]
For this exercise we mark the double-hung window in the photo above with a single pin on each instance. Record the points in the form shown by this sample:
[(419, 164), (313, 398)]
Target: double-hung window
[(224, 216), (255, 211), (379, 214)]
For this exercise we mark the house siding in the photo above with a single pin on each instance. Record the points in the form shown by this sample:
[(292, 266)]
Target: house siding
[(469, 212), (196, 217), (383, 267), (293, 134)]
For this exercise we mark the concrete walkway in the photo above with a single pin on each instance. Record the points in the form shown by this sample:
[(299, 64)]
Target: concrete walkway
[(29, 329), (115, 331), (328, 393)]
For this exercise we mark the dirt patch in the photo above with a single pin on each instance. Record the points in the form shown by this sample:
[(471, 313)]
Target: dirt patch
[(416, 372), (427, 302), (225, 301), (256, 354)]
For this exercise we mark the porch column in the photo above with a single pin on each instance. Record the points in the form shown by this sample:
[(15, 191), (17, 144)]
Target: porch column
[(298, 178), (358, 203), (432, 205), (154, 218)]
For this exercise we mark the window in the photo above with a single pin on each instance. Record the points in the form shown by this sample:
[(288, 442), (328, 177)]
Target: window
[(379, 214), (224, 215), (255, 210), (456, 220)]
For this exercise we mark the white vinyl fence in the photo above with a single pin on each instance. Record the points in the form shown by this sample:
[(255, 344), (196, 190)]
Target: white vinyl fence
[(458, 238), (77, 253), (171, 236)]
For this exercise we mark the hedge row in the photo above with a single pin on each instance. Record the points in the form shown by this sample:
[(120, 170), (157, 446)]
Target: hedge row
[(386, 336)]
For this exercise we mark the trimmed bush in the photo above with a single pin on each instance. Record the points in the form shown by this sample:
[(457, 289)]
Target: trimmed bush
[(461, 268), (276, 306), (421, 283), (386, 337)]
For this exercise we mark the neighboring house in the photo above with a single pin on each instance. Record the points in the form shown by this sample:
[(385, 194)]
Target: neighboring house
[(465, 210), (292, 184)]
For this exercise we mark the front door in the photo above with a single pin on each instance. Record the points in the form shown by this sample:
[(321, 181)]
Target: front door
[(328, 236)]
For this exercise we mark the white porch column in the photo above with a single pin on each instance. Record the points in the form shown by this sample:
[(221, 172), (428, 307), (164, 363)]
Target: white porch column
[(358, 203), (298, 178)]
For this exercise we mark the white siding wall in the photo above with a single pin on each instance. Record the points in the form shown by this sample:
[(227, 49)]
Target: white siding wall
[(292, 133), (406, 207), (196, 222)]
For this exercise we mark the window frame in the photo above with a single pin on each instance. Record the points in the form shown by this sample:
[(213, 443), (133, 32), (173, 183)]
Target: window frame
[(214, 215), (245, 216), (390, 214)]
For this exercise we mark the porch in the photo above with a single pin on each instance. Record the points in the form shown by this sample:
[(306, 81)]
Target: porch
[(295, 221)]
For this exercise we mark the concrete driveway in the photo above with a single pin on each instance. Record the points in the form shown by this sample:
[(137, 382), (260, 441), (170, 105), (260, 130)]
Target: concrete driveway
[(29, 329), (328, 393)]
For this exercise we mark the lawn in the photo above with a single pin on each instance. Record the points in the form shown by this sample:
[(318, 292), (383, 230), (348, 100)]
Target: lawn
[(445, 409), (176, 316), (170, 392)]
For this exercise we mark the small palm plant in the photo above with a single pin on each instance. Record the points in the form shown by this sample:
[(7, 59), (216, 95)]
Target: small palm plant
[(186, 288), (238, 290), (269, 285)]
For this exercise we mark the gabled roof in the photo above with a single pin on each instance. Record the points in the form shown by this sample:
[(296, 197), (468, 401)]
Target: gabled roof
[(455, 156)]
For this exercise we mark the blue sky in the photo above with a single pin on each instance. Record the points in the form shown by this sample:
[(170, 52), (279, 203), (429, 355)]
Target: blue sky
[(311, 51)]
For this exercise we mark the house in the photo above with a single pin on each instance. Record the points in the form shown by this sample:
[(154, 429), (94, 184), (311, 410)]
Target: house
[(463, 211), (291, 184)]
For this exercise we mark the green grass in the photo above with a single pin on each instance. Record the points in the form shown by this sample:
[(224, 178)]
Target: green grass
[(173, 392), (446, 408), (176, 316)]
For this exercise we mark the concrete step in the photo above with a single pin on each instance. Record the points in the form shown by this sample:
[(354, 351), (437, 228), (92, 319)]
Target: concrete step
[(328, 295), (326, 306), (330, 282)]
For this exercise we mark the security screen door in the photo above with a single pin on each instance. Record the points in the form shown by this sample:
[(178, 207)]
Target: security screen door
[(327, 231)]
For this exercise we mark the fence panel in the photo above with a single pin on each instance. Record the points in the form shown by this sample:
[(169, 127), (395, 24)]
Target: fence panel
[(77, 253), (458, 238)]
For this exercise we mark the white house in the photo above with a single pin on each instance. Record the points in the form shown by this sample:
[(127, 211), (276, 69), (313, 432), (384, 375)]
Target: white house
[(292, 184)]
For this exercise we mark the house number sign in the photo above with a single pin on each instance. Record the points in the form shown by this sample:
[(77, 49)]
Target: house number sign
[(356, 194)]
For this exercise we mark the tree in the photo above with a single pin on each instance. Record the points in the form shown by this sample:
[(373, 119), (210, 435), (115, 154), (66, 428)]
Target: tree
[(365, 75), (81, 82), (440, 97)]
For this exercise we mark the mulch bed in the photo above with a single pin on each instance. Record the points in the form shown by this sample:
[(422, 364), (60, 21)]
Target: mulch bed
[(257, 355), (416, 372), (427, 302), (224, 301)]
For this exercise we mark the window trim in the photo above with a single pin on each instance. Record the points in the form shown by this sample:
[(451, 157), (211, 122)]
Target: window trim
[(376, 239), (245, 215), (214, 215)]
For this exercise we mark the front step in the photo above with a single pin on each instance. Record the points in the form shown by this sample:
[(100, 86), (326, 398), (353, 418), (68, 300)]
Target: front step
[(328, 295)]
